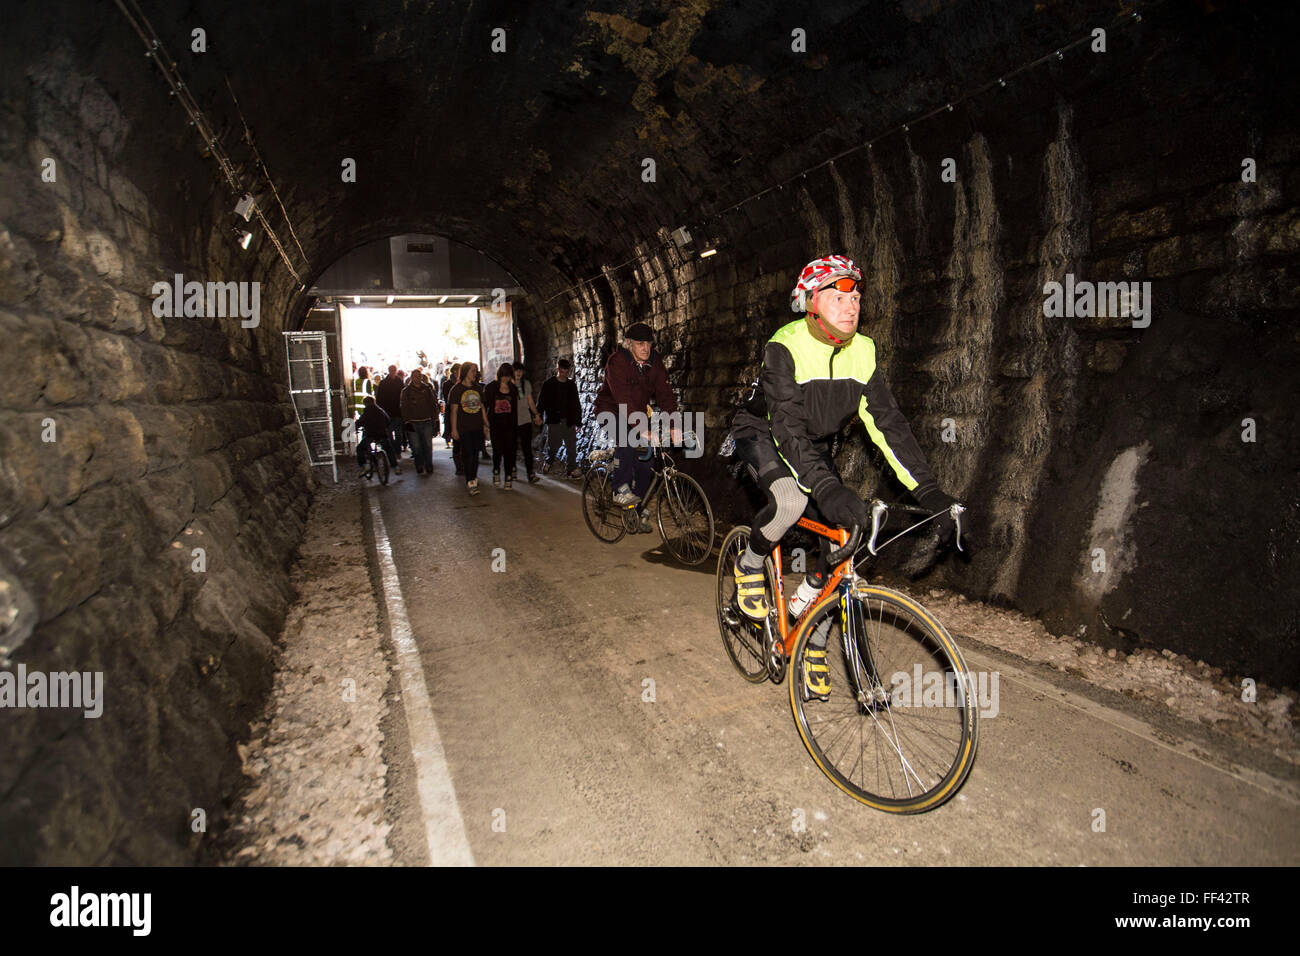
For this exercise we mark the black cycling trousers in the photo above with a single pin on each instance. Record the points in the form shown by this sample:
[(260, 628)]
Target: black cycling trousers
[(786, 501)]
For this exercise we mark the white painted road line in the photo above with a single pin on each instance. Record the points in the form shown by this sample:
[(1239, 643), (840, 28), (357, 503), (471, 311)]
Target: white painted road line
[(444, 829), (563, 483)]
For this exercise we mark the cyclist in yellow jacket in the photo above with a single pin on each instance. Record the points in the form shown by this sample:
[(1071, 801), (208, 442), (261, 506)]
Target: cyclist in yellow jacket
[(818, 372)]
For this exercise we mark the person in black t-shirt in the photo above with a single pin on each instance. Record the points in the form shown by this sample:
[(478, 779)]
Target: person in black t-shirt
[(450, 382), (468, 421), (501, 399)]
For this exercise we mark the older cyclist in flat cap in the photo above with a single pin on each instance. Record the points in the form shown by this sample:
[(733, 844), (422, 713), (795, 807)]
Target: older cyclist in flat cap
[(818, 372), (633, 376)]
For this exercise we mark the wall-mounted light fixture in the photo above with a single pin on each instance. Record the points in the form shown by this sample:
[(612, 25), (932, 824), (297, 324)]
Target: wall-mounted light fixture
[(442, 300), (390, 300), (356, 300), (473, 299), (245, 237), (682, 237), (709, 243), (245, 207)]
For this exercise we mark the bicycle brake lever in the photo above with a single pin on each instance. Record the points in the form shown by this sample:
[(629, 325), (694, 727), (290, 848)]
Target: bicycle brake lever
[(878, 511), (955, 509)]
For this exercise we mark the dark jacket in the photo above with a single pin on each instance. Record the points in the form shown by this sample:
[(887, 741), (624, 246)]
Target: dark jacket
[(810, 391), (374, 422), (559, 402), (388, 395), (632, 385), (419, 403), (447, 385)]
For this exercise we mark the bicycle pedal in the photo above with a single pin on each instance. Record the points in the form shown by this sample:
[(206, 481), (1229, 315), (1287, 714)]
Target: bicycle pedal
[(809, 696)]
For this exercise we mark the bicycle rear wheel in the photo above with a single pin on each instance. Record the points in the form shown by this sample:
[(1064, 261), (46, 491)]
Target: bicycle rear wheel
[(603, 516), (685, 519), (742, 637), (899, 730), (381, 467)]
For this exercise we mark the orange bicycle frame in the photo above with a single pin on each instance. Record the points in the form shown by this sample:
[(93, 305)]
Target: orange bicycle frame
[(837, 535)]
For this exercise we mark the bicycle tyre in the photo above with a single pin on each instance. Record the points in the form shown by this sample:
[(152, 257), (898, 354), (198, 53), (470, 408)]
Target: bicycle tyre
[(690, 516), (381, 466), (911, 736), (604, 518), (743, 640)]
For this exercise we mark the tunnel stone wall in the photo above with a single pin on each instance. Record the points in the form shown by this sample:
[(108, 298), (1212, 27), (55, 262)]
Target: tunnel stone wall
[(1110, 489), (1070, 436), (127, 441)]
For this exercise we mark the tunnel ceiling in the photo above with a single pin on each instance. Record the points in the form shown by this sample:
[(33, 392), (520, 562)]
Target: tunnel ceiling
[(534, 156)]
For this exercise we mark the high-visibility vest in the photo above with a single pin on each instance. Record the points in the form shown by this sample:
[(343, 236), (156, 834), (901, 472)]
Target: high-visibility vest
[(360, 389)]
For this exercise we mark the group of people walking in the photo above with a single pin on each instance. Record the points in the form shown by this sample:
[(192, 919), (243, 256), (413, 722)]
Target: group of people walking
[(396, 413)]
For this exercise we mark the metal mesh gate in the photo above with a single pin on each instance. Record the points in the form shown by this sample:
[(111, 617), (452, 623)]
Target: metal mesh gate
[(309, 384)]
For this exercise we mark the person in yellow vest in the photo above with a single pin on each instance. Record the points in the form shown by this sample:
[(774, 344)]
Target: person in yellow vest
[(818, 373), (361, 387)]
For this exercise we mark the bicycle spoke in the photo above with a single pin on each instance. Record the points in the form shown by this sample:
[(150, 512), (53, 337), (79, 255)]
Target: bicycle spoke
[(690, 511), (896, 724), (742, 638)]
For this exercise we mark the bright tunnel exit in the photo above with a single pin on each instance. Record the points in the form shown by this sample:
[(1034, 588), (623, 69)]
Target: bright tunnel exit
[(408, 337)]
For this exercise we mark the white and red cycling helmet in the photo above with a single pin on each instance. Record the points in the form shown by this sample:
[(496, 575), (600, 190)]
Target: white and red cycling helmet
[(817, 274)]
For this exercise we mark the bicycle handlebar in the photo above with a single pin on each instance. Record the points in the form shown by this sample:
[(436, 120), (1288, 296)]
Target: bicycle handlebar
[(850, 546), (880, 510)]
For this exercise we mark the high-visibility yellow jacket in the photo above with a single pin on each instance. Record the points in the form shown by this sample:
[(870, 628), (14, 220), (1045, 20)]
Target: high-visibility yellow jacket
[(361, 387), (809, 390)]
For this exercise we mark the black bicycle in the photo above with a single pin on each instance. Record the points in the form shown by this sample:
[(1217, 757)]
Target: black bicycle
[(377, 463), (682, 509)]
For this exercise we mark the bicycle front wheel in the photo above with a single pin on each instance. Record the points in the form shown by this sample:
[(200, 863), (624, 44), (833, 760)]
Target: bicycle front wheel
[(381, 468), (899, 729), (685, 519), (603, 516)]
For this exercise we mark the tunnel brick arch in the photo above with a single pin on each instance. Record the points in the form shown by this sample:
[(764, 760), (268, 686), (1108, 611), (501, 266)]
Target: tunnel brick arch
[(173, 430)]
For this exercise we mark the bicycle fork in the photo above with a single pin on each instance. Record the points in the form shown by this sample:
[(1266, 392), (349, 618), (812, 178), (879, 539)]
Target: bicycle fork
[(867, 689), (872, 696)]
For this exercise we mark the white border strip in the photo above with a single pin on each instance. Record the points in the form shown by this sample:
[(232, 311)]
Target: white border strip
[(563, 483), (443, 827)]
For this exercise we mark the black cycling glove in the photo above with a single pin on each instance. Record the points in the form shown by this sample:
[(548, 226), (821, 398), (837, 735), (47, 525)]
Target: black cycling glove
[(929, 496), (841, 506)]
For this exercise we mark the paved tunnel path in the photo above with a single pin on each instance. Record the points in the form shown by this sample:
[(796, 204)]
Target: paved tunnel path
[(536, 681)]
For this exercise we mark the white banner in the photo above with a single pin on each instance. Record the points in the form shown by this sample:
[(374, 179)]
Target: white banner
[(496, 337)]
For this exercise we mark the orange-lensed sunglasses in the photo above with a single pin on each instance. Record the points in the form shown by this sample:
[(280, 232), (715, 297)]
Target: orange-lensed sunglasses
[(843, 284)]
